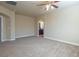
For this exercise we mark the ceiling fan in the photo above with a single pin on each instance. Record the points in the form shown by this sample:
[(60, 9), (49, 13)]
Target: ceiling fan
[(49, 4)]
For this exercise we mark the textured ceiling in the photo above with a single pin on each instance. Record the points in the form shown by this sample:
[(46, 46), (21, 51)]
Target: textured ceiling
[(30, 8)]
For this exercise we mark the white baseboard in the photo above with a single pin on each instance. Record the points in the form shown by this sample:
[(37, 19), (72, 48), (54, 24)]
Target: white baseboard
[(25, 36), (76, 44), (7, 40)]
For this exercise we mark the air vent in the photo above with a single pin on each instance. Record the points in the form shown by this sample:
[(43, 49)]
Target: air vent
[(11, 2)]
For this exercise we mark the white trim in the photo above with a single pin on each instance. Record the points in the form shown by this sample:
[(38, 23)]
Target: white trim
[(1, 28), (8, 40), (76, 44), (25, 36)]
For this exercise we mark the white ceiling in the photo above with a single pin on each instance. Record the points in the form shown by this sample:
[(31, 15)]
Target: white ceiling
[(26, 7), (30, 7)]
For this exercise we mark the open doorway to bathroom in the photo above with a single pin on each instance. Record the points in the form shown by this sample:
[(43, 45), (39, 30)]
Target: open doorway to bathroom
[(41, 28)]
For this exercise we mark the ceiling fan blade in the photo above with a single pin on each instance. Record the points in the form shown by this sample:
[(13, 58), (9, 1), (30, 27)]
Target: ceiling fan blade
[(54, 6), (41, 4), (56, 1), (44, 3)]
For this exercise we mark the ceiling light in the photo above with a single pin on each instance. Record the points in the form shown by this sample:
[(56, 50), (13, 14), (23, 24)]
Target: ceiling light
[(47, 7), (52, 7)]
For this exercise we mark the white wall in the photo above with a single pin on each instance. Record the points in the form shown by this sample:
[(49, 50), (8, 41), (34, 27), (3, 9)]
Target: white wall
[(62, 24), (24, 26)]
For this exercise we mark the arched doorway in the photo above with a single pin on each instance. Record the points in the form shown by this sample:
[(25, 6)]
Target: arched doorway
[(41, 28)]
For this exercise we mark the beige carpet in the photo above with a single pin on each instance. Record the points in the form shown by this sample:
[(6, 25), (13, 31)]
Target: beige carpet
[(37, 47)]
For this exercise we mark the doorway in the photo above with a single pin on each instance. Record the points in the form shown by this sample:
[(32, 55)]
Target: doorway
[(41, 28), (0, 29), (4, 28)]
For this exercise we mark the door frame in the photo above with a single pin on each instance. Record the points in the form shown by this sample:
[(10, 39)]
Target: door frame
[(1, 27)]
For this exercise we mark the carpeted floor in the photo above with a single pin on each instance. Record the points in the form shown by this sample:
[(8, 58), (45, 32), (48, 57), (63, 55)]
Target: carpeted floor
[(37, 47)]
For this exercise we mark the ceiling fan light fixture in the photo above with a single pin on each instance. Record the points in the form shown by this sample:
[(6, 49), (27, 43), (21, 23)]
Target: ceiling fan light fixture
[(47, 7), (52, 7)]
